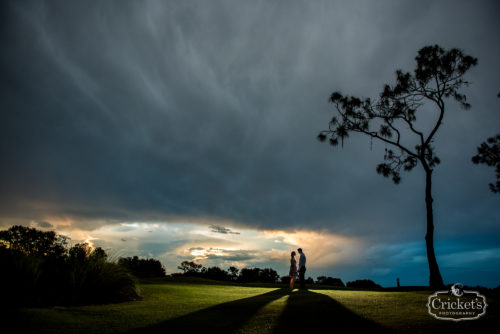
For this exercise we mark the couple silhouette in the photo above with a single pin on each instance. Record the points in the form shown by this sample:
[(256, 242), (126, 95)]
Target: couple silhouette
[(300, 272)]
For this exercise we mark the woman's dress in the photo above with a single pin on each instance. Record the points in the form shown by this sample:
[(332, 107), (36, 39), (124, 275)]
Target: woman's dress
[(293, 268)]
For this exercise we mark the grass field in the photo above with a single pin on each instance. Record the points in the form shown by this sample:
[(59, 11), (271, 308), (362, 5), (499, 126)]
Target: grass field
[(175, 307)]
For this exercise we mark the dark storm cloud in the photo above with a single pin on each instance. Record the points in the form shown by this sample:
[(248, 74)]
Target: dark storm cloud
[(136, 111), (45, 225)]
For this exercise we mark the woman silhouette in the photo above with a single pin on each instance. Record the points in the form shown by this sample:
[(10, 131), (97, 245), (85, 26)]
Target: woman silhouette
[(293, 270)]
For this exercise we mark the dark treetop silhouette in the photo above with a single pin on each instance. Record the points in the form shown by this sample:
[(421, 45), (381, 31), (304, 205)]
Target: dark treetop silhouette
[(437, 77), (489, 153)]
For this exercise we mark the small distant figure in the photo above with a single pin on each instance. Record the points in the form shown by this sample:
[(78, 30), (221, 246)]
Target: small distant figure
[(302, 269), (293, 270), (397, 280)]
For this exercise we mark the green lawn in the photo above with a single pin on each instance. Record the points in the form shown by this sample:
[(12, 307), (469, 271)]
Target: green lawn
[(186, 307)]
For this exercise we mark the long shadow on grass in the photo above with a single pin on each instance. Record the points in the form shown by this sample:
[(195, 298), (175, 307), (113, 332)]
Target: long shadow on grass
[(221, 318), (310, 312)]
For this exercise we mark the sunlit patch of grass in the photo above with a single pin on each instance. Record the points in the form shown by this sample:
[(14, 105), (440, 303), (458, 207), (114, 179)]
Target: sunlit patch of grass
[(265, 319), (405, 311)]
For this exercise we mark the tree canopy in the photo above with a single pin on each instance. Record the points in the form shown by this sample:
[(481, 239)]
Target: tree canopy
[(488, 153), (31, 241), (437, 76)]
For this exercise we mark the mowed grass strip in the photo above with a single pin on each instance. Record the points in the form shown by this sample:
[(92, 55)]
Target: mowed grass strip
[(212, 308)]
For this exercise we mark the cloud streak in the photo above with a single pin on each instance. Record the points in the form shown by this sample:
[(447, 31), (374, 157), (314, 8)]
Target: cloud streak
[(221, 229)]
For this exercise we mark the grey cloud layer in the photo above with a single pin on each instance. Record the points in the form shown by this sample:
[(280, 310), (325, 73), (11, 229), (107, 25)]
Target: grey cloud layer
[(148, 111)]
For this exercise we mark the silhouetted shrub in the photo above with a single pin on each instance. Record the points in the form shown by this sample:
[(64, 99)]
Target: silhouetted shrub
[(20, 276), (233, 273), (37, 269), (190, 268), (249, 274), (92, 279), (143, 268), (269, 275), (363, 284), (266, 275), (216, 273), (329, 281), (496, 291), (285, 279)]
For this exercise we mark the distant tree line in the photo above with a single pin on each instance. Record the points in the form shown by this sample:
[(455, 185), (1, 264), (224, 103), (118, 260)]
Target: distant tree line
[(266, 275), (337, 282), (330, 281)]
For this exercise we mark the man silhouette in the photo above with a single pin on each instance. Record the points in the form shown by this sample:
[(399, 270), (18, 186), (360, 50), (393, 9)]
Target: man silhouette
[(302, 269)]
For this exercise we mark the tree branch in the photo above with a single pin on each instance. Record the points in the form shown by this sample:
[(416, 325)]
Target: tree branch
[(376, 136), (438, 124)]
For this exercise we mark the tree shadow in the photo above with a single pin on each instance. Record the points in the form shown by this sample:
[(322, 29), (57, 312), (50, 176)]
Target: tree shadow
[(222, 318), (311, 312)]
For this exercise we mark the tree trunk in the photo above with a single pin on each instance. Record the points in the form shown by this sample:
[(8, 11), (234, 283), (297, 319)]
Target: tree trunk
[(435, 280)]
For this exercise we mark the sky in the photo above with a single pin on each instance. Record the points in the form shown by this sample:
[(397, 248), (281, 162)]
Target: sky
[(187, 131)]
